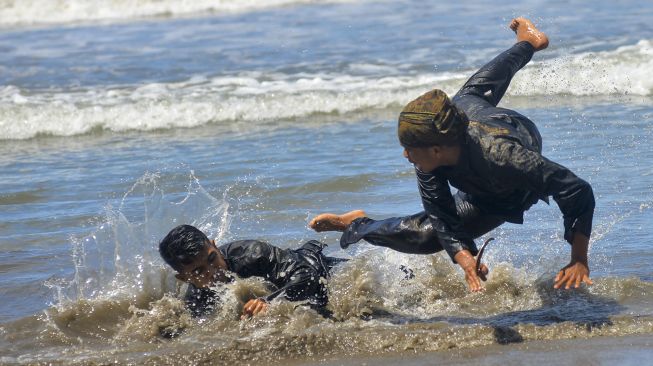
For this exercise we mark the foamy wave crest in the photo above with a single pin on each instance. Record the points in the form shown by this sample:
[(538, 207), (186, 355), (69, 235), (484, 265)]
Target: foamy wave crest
[(246, 97), (625, 70), (67, 11), (273, 97)]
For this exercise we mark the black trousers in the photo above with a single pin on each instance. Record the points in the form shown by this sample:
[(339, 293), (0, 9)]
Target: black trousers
[(478, 98)]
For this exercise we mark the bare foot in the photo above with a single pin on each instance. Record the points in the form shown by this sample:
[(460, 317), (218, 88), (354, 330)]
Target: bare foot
[(526, 31), (333, 222)]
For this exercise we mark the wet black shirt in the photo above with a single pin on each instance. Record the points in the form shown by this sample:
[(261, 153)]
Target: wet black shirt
[(297, 274), (502, 172)]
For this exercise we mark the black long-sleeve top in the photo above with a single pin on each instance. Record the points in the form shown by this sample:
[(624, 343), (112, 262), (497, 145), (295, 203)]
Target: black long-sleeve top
[(297, 274), (502, 172)]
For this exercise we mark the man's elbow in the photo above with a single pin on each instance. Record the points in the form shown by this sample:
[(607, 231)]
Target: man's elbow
[(588, 193)]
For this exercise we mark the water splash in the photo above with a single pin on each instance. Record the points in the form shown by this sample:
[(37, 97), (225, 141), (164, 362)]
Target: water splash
[(124, 302), (120, 258)]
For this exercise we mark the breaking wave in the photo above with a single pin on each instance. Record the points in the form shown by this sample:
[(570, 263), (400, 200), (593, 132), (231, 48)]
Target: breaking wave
[(28, 12), (270, 98)]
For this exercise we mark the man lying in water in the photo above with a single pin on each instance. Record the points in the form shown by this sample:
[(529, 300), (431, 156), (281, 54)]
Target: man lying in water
[(492, 156), (298, 274)]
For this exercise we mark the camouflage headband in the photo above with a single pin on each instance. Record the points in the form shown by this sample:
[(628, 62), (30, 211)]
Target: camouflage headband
[(431, 119)]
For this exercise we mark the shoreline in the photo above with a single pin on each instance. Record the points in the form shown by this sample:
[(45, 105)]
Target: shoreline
[(628, 350)]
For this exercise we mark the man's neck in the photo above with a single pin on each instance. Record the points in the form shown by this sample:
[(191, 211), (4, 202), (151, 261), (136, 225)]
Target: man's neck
[(451, 155)]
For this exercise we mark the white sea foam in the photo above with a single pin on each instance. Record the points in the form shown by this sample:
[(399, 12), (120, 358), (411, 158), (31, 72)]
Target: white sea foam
[(625, 70), (255, 96), (66, 11), (247, 97)]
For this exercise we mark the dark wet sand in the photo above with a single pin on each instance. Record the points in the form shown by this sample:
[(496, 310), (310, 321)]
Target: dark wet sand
[(632, 350)]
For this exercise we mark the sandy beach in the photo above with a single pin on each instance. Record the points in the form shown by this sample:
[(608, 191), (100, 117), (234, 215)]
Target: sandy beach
[(627, 351)]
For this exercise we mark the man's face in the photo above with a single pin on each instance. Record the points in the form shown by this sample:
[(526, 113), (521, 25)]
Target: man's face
[(426, 159), (206, 269)]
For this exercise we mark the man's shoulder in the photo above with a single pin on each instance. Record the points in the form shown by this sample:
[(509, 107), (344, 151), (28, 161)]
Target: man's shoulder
[(495, 145), (486, 134), (249, 245), (509, 127), (482, 128), (248, 258), (245, 253)]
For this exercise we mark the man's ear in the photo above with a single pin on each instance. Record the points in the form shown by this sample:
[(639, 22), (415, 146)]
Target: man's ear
[(437, 150), (181, 277)]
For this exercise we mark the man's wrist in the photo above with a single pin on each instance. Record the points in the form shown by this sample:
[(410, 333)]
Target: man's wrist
[(575, 259), (464, 259), (579, 248)]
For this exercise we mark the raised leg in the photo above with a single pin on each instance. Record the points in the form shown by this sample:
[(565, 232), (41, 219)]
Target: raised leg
[(415, 234), (488, 85)]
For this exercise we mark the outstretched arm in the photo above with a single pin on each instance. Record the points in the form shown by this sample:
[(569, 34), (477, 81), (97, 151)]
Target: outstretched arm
[(441, 209), (574, 196)]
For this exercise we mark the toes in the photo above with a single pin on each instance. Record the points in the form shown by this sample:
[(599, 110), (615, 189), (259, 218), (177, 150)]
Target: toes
[(316, 224)]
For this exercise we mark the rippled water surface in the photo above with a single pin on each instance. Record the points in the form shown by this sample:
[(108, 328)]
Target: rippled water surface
[(246, 119)]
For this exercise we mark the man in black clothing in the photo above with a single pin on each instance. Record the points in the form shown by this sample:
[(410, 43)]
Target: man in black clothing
[(493, 157), (298, 275)]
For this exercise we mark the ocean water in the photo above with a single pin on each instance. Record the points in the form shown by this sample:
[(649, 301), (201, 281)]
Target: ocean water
[(122, 119)]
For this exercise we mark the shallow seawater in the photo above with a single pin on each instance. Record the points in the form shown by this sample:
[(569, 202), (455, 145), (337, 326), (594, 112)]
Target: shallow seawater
[(116, 125)]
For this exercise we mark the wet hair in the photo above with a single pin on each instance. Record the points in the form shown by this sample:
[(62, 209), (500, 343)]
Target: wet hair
[(181, 245)]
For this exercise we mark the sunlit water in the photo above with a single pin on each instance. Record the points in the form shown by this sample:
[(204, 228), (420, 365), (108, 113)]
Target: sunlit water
[(247, 121)]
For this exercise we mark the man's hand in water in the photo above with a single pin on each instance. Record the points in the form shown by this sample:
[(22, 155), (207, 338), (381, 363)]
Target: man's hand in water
[(253, 307), (467, 262), (573, 274), (577, 271)]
